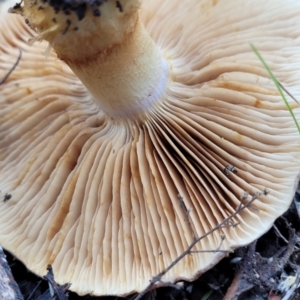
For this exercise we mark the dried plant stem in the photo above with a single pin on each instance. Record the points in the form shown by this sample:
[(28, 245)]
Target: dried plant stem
[(231, 292), (224, 224)]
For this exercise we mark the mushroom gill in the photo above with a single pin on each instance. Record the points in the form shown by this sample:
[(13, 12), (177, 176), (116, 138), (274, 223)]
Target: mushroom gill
[(99, 173)]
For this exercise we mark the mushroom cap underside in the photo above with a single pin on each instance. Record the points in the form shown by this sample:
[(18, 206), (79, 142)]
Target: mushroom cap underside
[(109, 203)]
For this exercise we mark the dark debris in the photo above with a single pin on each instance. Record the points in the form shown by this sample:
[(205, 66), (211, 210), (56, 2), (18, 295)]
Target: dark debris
[(55, 290), (6, 197), (79, 7)]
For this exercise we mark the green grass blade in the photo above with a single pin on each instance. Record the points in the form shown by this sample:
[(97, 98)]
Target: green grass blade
[(272, 76), (207, 295)]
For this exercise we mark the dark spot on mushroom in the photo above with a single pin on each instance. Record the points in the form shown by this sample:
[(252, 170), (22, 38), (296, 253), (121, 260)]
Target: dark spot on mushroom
[(6, 197), (27, 21), (80, 11), (67, 27), (76, 28), (17, 6), (79, 7), (96, 12), (40, 7), (54, 20), (119, 6)]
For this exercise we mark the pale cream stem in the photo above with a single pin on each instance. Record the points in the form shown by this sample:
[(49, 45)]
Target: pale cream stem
[(107, 47), (127, 79)]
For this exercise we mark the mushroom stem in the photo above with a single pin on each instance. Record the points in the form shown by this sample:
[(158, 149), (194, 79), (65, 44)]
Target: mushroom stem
[(128, 78), (107, 47)]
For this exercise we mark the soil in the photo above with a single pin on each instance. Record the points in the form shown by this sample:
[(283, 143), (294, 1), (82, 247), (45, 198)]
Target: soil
[(268, 269)]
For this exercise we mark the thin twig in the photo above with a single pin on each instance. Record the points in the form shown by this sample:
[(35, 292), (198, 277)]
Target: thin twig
[(158, 277), (12, 68), (211, 251), (33, 291), (282, 237), (232, 290), (187, 214), (279, 233)]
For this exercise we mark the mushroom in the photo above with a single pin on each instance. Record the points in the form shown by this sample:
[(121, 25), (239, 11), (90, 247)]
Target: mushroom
[(150, 127)]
